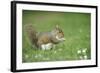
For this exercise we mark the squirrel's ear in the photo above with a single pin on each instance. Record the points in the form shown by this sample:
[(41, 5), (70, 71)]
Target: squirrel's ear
[(57, 26)]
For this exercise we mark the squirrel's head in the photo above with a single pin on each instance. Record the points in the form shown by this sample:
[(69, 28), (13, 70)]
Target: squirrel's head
[(59, 35)]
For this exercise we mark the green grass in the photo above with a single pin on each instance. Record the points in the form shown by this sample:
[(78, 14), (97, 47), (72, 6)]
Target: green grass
[(76, 28)]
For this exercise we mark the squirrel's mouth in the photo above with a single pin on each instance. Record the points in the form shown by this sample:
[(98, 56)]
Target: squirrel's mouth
[(60, 39)]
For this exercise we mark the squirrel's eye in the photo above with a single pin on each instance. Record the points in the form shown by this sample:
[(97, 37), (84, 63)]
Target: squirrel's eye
[(60, 31)]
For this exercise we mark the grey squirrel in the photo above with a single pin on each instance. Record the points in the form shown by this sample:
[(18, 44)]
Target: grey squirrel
[(45, 40)]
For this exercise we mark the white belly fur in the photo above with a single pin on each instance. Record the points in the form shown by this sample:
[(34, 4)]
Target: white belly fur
[(46, 46)]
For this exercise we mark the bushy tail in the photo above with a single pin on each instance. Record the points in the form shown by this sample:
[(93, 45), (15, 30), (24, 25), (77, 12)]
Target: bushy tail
[(32, 34)]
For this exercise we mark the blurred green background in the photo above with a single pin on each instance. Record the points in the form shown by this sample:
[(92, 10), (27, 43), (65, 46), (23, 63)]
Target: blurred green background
[(76, 28)]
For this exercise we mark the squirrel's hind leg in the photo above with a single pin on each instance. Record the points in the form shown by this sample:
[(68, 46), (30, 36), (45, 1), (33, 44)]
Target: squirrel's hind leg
[(47, 46)]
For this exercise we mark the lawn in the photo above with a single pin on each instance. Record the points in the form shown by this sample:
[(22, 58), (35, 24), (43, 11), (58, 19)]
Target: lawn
[(76, 28)]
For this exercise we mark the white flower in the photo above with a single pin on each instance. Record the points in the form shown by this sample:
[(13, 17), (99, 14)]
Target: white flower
[(84, 50), (85, 57), (79, 51)]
